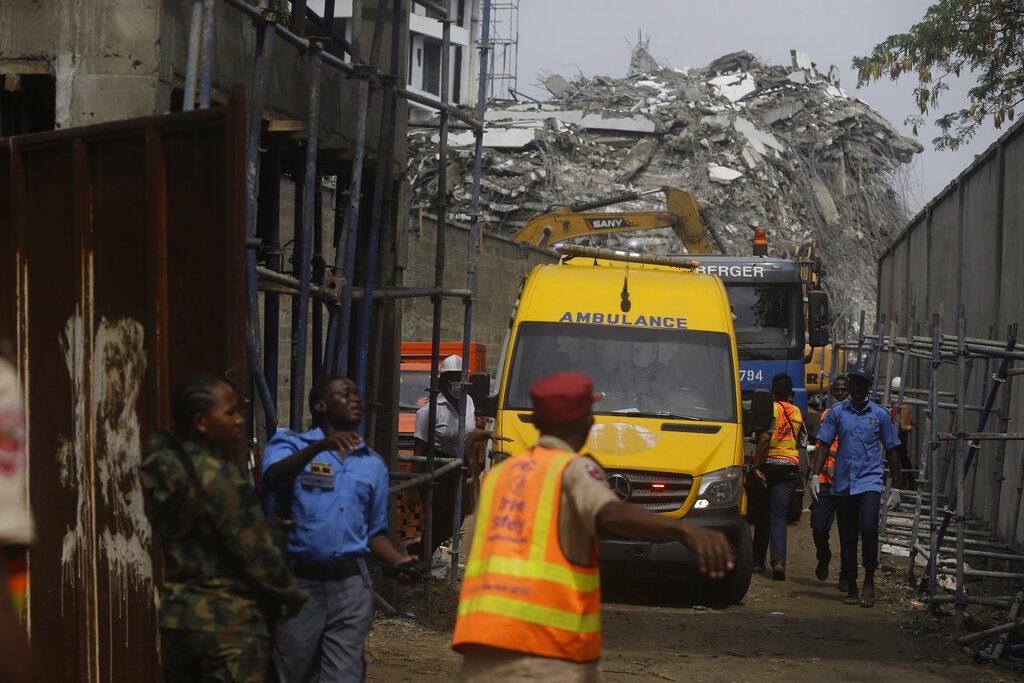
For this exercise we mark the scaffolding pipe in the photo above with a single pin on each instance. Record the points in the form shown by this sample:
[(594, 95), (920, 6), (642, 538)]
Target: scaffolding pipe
[(385, 147), (997, 470), (471, 266), (317, 277), (192, 61), (961, 463), (340, 317), (270, 196), (206, 55), (420, 480), (435, 338), (303, 252), (933, 457), (265, 32), (388, 233), (860, 337)]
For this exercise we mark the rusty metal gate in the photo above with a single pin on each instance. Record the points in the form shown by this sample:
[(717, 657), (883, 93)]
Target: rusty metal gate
[(122, 260)]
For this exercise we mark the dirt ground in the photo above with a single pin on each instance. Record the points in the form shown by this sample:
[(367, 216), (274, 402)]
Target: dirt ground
[(789, 630)]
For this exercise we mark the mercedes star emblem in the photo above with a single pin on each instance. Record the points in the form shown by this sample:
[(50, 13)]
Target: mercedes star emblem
[(620, 486)]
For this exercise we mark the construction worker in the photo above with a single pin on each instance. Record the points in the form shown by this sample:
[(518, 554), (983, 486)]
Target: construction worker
[(865, 432), (224, 576), (446, 437), (776, 462), (902, 420), (530, 606), (823, 509)]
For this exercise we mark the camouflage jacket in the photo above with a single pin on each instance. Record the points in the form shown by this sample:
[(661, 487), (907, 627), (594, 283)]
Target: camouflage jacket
[(222, 570)]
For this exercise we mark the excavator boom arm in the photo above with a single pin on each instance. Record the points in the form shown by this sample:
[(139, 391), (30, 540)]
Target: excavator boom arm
[(682, 215)]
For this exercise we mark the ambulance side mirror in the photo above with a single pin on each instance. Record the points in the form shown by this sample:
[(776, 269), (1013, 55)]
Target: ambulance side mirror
[(817, 318), (761, 411), (479, 388)]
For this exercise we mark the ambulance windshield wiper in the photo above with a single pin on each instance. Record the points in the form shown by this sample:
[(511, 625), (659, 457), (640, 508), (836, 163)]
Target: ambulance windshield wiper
[(674, 416)]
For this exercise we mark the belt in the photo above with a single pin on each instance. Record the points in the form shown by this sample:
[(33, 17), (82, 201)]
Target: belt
[(334, 570)]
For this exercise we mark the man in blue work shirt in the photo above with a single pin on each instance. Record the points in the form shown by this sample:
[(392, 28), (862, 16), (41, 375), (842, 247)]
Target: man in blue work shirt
[(864, 431), (335, 491)]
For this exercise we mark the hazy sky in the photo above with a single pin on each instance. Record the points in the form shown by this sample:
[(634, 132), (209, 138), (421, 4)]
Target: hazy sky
[(593, 37)]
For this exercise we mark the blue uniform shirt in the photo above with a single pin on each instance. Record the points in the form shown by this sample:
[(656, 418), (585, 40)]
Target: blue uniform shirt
[(864, 436), (337, 505)]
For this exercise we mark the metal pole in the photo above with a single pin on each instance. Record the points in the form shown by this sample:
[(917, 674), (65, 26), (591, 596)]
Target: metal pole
[(1004, 422), (961, 455), (317, 277), (860, 337), (388, 229), (265, 31), (933, 457), (385, 145), (439, 254), (270, 211), (303, 250), (206, 56), (192, 64), (471, 265), (339, 321)]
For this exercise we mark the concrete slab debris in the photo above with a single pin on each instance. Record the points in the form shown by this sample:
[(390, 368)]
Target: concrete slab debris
[(723, 174), (558, 86), (801, 60), (778, 145), (734, 87), (758, 139), (734, 61)]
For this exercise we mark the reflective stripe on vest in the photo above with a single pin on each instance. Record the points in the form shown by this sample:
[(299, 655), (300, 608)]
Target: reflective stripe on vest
[(520, 592), (787, 426), (829, 471)]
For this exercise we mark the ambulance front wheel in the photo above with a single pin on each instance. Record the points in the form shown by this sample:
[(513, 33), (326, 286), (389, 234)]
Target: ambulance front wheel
[(733, 588)]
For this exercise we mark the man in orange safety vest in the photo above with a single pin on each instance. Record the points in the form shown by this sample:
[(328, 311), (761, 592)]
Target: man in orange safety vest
[(531, 601)]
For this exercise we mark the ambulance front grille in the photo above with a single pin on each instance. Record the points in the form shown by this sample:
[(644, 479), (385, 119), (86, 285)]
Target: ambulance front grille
[(654, 491)]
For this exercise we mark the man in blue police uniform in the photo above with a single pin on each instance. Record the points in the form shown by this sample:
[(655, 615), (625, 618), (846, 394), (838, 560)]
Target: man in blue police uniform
[(865, 432), (335, 490)]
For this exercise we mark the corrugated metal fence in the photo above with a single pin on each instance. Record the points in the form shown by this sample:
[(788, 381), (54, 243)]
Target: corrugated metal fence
[(967, 248), (122, 266)]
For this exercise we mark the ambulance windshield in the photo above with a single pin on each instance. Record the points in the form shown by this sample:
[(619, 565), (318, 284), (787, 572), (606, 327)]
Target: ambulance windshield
[(667, 373)]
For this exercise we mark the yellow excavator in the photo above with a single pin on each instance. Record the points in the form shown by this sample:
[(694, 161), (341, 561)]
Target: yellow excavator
[(681, 214)]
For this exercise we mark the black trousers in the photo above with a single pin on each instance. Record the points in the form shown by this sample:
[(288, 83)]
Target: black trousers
[(858, 517)]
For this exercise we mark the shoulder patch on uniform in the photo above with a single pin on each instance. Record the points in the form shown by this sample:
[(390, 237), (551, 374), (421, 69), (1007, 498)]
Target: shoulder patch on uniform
[(593, 469)]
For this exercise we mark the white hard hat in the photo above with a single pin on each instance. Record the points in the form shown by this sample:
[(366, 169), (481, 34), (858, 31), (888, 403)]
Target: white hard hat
[(451, 364), (896, 382)]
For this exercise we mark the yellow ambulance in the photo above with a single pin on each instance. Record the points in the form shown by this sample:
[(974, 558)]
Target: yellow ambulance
[(657, 341)]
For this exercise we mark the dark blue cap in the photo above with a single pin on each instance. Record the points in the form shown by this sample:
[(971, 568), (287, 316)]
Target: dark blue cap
[(861, 370)]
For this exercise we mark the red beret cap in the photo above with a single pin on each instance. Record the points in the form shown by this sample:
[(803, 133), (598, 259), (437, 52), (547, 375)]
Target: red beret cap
[(562, 397)]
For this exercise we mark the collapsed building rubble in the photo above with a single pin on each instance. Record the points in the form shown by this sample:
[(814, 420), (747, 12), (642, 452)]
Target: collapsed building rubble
[(756, 144)]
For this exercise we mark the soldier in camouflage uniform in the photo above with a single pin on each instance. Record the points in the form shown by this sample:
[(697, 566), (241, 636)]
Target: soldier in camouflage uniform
[(223, 576)]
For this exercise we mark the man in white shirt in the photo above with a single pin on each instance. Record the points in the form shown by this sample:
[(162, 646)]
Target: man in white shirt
[(446, 437)]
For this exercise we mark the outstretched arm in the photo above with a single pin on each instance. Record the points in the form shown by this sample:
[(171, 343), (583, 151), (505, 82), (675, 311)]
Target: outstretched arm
[(622, 520)]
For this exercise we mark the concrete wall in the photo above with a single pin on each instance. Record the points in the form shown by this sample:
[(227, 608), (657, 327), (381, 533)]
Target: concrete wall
[(121, 60), (965, 248), (501, 266)]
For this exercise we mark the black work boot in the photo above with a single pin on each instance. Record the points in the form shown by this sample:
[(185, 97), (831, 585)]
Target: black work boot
[(821, 571), (779, 571)]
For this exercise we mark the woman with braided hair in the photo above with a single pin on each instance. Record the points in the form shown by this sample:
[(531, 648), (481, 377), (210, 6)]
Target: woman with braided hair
[(223, 574)]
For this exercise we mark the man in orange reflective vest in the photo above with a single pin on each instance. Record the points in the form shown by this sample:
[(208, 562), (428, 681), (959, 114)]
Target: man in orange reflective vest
[(531, 601), (777, 464), (823, 507)]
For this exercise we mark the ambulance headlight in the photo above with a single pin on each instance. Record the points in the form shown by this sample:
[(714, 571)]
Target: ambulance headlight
[(720, 488)]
